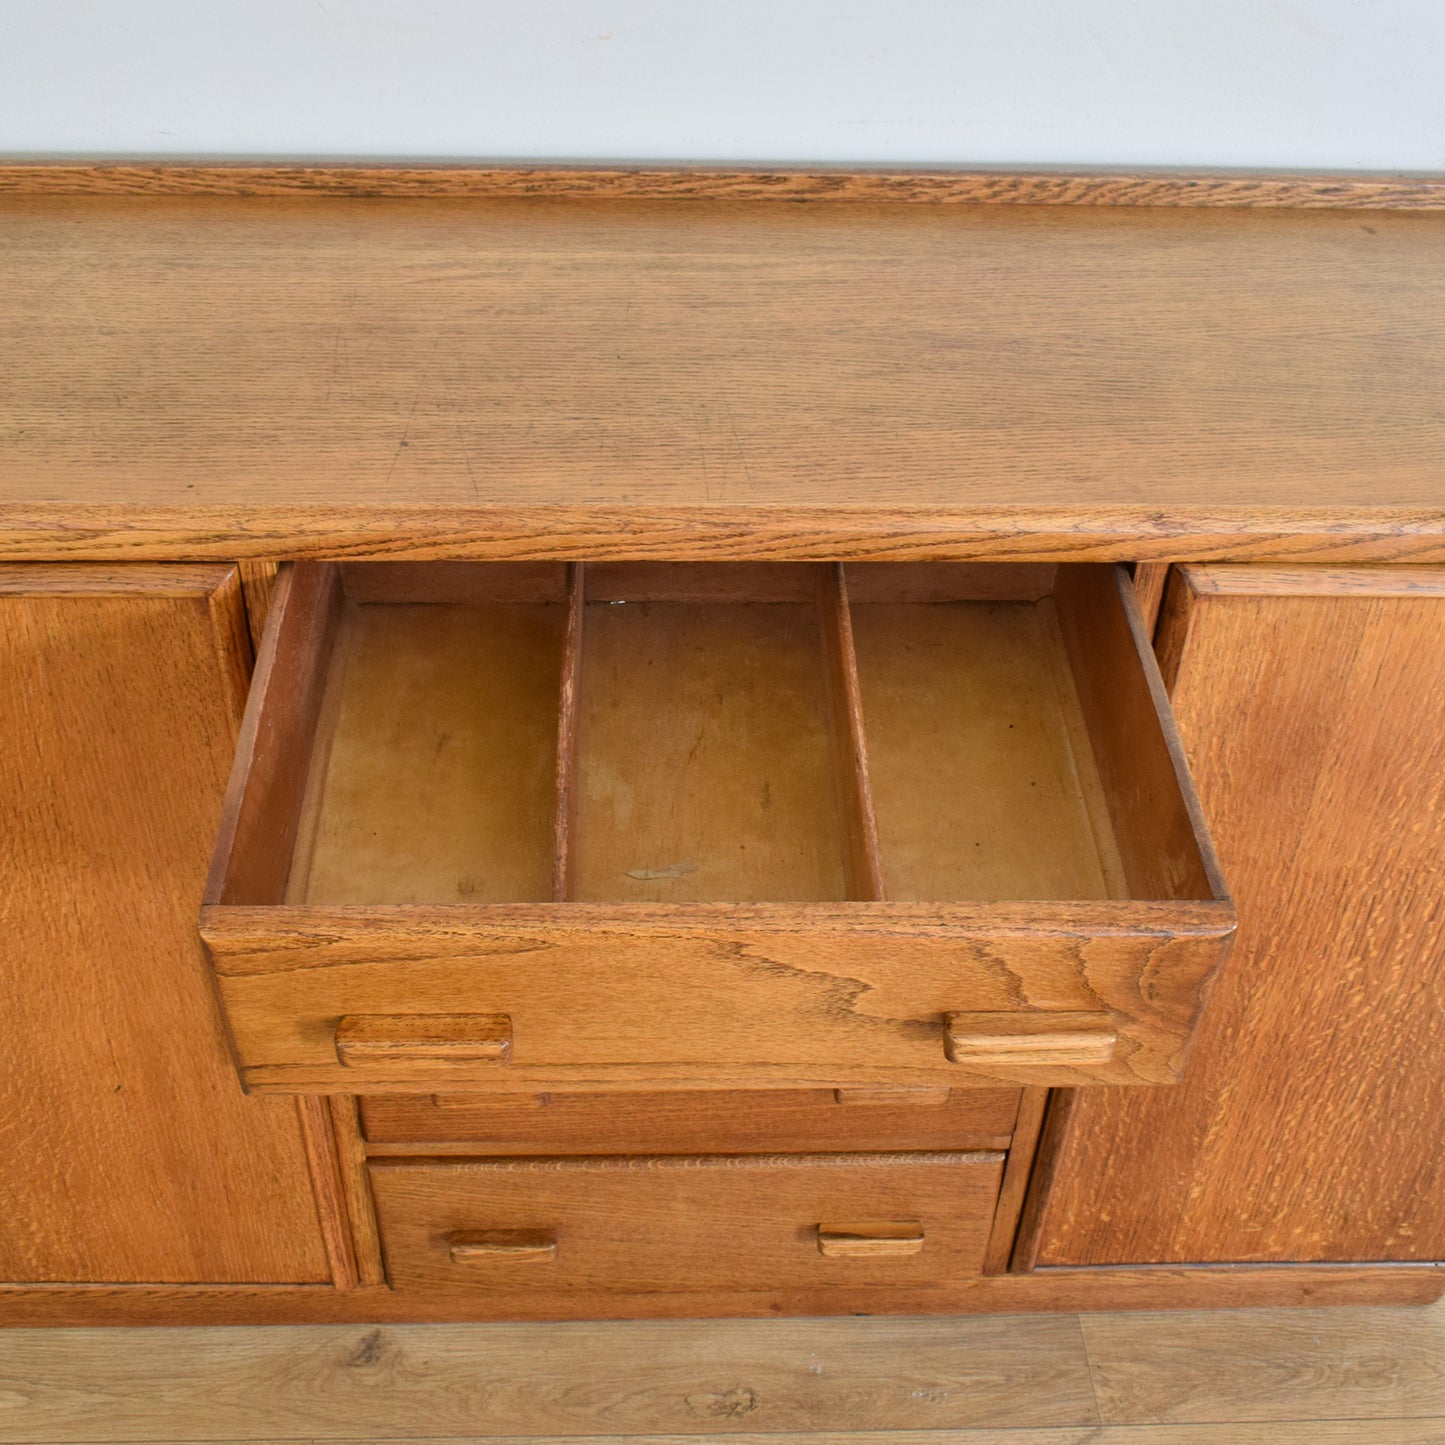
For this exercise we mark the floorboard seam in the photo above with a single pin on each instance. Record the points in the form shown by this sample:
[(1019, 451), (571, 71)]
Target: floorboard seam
[(962, 1433), (1089, 1366)]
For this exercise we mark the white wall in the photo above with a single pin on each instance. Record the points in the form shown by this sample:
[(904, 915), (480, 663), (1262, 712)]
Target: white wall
[(1261, 83)]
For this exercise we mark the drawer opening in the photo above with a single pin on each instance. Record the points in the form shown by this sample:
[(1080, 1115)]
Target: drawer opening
[(486, 733)]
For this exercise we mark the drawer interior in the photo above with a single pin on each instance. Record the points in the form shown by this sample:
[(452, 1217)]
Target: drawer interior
[(704, 765), (983, 779), (432, 776), (682, 733)]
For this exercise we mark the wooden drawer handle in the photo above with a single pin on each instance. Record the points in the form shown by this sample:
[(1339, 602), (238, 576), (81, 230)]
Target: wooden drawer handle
[(381, 1039), (487, 1245), (1011, 1039), (885, 1239)]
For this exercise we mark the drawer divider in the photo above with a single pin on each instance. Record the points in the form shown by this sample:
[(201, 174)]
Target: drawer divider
[(564, 850), (864, 858)]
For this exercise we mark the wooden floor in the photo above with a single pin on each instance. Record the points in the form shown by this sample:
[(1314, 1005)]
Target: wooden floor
[(1262, 1377)]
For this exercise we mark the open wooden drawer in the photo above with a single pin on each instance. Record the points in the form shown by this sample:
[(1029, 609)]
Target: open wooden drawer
[(523, 826)]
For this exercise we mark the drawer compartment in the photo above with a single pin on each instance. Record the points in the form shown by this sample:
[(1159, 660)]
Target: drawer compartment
[(652, 1224), (525, 827), (757, 1121)]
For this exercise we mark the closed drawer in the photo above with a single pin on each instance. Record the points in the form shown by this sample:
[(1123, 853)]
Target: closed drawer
[(757, 1121), (654, 1224), (512, 827)]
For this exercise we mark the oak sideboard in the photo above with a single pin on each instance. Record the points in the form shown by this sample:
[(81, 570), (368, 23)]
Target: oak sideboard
[(582, 743)]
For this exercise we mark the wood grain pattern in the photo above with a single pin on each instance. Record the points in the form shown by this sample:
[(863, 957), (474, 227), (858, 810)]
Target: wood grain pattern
[(1054, 1134), (1161, 1288), (563, 378), (641, 1380), (1148, 581), (1242, 1365), (258, 584), (1308, 1125), (1311, 582), (256, 838), (1084, 531), (766, 1121), (131, 1153), (571, 1380), (1158, 825), (318, 1133), (1395, 1431), (1018, 1168), (350, 1153), (734, 995), (66, 580), (959, 186), (661, 1225), (676, 1399)]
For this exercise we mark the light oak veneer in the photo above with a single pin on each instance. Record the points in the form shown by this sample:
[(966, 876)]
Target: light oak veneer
[(1308, 1125), (129, 1153), (580, 376)]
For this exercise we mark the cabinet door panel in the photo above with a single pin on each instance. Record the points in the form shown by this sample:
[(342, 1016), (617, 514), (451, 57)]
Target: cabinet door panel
[(1310, 1123), (130, 1154)]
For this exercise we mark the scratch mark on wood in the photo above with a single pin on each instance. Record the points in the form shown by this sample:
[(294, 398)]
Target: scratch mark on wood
[(673, 870)]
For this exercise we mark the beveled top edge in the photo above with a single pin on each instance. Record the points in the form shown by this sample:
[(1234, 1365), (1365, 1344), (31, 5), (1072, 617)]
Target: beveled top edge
[(148, 531), (975, 185)]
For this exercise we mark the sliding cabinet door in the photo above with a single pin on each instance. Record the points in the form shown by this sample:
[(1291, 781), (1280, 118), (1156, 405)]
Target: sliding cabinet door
[(1310, 1125), (130, 1153)]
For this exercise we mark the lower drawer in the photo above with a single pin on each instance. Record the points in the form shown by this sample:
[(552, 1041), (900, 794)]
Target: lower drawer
[(658, 1224), (755, 1121)]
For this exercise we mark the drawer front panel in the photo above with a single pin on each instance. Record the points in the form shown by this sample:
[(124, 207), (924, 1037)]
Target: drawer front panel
[(684, 1122), (660, 1224), (715, 996)]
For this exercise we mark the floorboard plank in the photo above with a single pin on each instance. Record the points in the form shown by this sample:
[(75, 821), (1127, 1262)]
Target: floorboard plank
[(1335, 1432), (1262, 1377), (572, 1380), (1268, 1365)]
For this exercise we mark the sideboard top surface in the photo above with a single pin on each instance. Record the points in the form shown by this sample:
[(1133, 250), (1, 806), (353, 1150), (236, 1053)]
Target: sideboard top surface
[(535, 375)]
